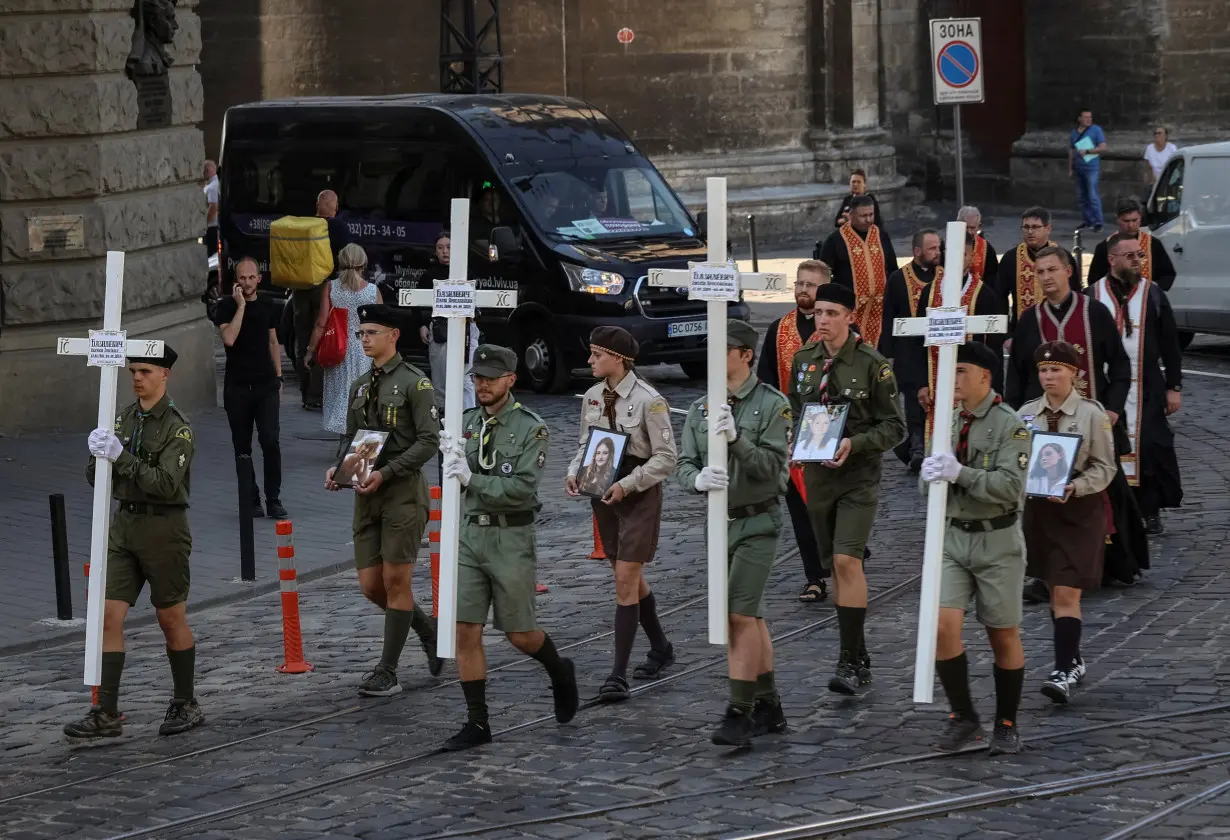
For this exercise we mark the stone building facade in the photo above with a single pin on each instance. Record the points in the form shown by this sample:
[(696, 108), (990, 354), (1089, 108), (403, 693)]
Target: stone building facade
[(90, 164)]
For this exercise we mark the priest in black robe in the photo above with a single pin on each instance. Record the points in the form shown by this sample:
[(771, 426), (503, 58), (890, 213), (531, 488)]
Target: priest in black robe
[(971, 217), (1157, 268), (1035, 235)]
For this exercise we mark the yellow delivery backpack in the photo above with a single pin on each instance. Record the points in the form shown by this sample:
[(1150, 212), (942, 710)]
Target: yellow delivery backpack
[(300, 256)]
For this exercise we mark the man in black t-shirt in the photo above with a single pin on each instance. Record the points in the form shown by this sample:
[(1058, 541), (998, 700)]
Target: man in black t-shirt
[(252, 388)]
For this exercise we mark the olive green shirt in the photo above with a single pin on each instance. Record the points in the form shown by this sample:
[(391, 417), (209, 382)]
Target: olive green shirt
[(404, 406), (507, 471), (860, 378), (992, 482), (757, 458), (156, 463)]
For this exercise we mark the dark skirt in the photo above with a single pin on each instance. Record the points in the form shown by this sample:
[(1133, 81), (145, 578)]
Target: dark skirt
[(1127, 550), (1065, 544)]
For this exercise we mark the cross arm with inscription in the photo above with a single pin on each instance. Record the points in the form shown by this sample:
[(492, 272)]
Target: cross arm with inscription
[(145, 348)]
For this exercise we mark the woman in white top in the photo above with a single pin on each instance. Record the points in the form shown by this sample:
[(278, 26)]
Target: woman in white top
[(1159, 151), (349, 290)]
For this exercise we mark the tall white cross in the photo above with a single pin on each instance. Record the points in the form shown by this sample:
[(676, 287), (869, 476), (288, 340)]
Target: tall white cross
[(946, 326), (454, 299), (108, 349), (717, 282)]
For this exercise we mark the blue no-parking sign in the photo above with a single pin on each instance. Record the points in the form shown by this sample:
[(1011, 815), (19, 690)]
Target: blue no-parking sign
[(956, 55)]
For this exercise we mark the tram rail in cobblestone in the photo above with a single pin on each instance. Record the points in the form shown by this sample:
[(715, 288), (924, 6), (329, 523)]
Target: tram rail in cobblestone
[(1160, 816)]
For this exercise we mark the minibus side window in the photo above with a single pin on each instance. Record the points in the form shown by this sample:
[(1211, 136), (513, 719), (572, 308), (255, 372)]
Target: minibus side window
[(1168, 199), (1209, 197)]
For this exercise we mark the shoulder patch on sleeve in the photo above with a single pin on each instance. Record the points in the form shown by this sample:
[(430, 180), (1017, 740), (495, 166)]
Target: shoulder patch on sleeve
[(424, 384), (886, 372), (1022, 460), (659, 406), (1021, 434), (542, 434), (787, 414), (184, 433)]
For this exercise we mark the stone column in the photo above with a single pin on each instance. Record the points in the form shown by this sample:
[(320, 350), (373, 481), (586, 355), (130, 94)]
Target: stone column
[(865, 46), (88, 164)]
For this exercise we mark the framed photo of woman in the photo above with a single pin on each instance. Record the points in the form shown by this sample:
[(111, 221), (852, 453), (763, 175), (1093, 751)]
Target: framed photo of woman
[(820, 432), (359, 459), (1052, 456), (604, 452)]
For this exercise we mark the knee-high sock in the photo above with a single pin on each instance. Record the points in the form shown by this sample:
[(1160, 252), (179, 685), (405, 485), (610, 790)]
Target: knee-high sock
[(954, 676), (651, 625), (627, 616), (396, 629)]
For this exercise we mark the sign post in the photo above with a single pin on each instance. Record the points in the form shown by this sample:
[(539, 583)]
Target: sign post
[(454, 299), (956, 55), (717, 282), (107, 349), (945, 326)]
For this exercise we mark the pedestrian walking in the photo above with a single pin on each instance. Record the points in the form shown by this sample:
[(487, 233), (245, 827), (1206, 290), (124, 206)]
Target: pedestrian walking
[(1085, 147), (500, 464), (305, 307), (984, 556), (842, 494), (1065, 535), (151, 448), (349, 291), (390, 506), (629, 515), (756, 421), (252, 384)]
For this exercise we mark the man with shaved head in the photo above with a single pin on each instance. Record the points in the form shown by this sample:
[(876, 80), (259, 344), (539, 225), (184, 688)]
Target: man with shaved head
[(305, 304)]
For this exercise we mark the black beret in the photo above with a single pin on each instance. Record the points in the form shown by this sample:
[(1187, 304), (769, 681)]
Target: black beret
[(379, 313), (836, 293), (977, 353), (167, 360), (1057, 353), (615, 340)]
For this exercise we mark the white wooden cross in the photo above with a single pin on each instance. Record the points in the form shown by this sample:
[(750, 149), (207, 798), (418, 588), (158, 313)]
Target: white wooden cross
[(454, 299), (946, 326), (717, 282), (108, 349)]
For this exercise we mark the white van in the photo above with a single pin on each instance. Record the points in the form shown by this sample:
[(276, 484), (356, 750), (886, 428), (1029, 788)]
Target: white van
[(1194, 225)]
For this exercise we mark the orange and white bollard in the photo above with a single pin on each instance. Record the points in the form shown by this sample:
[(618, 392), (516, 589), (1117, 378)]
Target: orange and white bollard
[(288, 582), (433, 539), (599, 552), (93, 689)]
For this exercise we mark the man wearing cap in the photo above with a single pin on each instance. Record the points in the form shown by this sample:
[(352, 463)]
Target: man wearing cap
[(756, 421), (500, 464), (390, 506), (630, 513), (984, 553), (151, 448), (842, 494)]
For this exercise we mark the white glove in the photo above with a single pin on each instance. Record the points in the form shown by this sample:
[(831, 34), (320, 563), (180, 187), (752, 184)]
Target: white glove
[(449, 444), (712, 478), (109, 445), (455, 466), (97, 438), (724, 422), (943, 466)]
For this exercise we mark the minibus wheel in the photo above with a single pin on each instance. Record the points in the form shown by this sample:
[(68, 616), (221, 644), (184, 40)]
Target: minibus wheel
[(542, 360)]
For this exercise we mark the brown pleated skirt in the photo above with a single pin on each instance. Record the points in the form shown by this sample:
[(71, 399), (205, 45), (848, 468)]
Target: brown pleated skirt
[(629, 530), (1065, 544)]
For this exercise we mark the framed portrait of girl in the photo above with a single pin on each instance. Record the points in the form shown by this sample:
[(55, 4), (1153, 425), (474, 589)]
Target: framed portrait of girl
[(820, 432), (604, 451), (1052, 456)]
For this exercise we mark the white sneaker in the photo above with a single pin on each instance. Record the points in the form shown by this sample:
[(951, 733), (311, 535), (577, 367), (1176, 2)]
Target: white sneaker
[(1077, 672), (1057, 686)]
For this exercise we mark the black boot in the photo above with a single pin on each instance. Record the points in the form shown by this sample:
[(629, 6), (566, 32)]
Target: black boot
[(845, 680), (735, 729)]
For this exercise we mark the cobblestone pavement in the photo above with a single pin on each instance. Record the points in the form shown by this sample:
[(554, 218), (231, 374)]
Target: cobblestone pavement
[(340, 767)]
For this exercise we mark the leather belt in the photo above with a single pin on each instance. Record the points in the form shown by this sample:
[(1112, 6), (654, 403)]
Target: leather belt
[(148, 508), (503, 520), (748, 511), (996, 524)]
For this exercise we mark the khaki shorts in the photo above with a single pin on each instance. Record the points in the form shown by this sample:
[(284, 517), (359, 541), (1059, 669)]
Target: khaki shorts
[(389, 525), (752, 546), (149, 547), (497, 571), (988, 567), (841, 504)]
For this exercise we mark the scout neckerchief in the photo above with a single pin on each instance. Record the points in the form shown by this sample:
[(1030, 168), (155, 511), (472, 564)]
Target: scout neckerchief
[(788, 343), (373, 399), (486, 460), (914, 285), (1026, 289), (967, 420), (979, 266), (867, 268), (1130, 309), (969, 299), (609, 397), (1074, 329)]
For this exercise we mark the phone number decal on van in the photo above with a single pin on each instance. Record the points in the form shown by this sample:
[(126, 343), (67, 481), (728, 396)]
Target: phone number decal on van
[(680, 329)]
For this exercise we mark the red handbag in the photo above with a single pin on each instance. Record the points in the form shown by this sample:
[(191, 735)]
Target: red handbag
[(332, 348)]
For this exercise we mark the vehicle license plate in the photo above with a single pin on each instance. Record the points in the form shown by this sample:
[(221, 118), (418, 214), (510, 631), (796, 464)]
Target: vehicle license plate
[(679, 329)]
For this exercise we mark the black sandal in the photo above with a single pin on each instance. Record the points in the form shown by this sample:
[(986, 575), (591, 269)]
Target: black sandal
[(614, 690), (814, 592), (655, 662)]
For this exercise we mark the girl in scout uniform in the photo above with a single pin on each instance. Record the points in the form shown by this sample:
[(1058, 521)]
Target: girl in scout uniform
[(1065, 537), (630, 513)]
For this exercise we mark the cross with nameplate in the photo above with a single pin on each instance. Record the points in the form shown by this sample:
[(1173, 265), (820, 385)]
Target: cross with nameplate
[(717, 282), (107, 349)]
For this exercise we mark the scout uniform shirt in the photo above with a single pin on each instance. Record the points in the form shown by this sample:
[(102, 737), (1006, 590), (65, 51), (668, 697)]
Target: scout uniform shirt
[(1095, 462), (155, 465), (757, 458), (397, 398), (998, 455), (641, 412), (506, 454), (860, 378)]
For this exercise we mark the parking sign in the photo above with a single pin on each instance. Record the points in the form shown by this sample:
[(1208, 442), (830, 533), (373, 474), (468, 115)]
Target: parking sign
[(956, 59)]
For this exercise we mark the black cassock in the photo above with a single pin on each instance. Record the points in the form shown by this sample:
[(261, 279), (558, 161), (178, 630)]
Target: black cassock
[(1160, 267), (1005, 281), (897, 305), (844, 210), (837, 257), (986, 302)]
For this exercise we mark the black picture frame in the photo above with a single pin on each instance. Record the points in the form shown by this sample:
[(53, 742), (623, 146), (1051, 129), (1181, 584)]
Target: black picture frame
[(1039, 484), (833, 417), (350, 472), (596, 484)]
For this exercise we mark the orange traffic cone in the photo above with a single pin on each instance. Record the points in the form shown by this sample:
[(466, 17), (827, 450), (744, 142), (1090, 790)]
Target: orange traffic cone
[(599, 552)]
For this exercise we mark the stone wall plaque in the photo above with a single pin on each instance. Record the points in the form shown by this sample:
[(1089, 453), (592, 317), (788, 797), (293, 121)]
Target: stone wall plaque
[(56, 233)]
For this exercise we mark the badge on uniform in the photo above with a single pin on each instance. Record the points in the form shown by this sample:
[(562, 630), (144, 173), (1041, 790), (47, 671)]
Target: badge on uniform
[(1021, 434), (1022, 460), (655, 407), (787, 414), (424, 385), (666, 435), (542, 458), (885, 372), (542, 434), (506, 468), (117, 424), (184, 434), (181, 460), (435, 414), (811, 368), (362, 390)]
